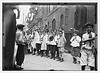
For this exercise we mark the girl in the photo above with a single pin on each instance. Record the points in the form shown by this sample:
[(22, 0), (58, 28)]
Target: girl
[(33, 44), (60, 44), (44, 42)]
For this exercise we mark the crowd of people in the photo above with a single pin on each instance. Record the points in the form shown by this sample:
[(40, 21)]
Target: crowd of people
[(52, 44), (45, 43)]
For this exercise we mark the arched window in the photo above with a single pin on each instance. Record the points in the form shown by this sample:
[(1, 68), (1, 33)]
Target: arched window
[(61, 20), (48, 25), (53, 24)]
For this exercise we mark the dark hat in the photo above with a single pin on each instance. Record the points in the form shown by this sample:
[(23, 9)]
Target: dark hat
[(76, 31), (20, 26), (46, 30), (88, 24), (51, 38)]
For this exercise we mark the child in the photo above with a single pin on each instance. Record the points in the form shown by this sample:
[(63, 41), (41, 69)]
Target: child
[(29, 43), (41, 40), (60, 45), (56, 39), (75, 43), (38, 42), (44, 42), (52, 45), (33, 44), (48, 45), (88, 50)]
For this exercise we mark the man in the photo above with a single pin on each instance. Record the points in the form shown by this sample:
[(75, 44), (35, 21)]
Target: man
[(87, 51), (20, 40)]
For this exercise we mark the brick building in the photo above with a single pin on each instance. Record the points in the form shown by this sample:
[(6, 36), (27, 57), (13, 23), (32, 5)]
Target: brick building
[(67, 16)]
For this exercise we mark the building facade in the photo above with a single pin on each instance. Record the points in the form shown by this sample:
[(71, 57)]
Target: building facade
[(67, 16)]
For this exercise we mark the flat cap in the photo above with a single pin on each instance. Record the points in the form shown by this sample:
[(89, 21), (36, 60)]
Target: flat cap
[(88, 24)]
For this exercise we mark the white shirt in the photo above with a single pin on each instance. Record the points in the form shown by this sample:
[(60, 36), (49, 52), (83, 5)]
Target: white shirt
[(75, 41), (61, 42), (37, 37), (19, 36), (86, 37), (64, 36), (52, 42), (56, 37)]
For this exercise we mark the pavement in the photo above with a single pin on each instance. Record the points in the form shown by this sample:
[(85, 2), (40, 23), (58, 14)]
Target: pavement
[(38, 63)]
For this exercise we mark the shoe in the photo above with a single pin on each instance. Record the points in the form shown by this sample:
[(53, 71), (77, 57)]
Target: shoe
[(50, 57), (17, 67), (53, 58), (74, 61), (37, 54), (33, 53), (61, 60), (78, 62), (41, 55), (47, 56), (58, 59)]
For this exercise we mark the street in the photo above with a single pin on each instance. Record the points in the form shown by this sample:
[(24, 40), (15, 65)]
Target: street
[(52, 31), (33, 62)]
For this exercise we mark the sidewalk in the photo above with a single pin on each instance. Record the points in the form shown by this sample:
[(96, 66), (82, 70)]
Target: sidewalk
[(33, 62)]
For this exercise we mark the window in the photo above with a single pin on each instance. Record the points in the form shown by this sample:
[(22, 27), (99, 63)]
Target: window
[(61, 20), (66, 16), (53, 24), (66, 20)]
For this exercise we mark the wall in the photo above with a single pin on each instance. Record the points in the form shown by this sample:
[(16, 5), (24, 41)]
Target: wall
[(70, 17)]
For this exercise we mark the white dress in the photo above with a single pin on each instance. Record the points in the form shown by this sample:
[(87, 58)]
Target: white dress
[(33, 44), (61, 42), (44, 42)]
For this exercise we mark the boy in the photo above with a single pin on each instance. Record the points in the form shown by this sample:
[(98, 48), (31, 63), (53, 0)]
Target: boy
[(75, 43), (52, 45), (87, 52)]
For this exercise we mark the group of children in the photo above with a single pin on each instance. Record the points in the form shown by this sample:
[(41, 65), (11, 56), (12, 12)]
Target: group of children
[(51, 44), (83, 50), (47, 43)]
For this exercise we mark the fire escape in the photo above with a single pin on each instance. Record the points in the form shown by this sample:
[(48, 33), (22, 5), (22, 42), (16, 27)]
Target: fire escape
[(35, 19)]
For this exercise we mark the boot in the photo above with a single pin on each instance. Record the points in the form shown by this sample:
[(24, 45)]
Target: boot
[(91, 68), (74, 60), (83, 67), (34, 52), (61, 60)]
